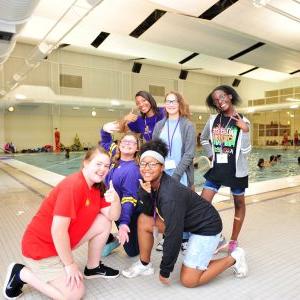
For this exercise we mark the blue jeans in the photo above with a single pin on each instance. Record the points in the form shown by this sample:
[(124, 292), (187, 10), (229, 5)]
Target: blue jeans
[(210, 185), (200, 251)]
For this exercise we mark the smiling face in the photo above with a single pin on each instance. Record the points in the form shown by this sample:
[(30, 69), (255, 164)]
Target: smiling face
[(96, 168), (222, 101), (172, 105), (151, 169), (143, 105), (128, 145)]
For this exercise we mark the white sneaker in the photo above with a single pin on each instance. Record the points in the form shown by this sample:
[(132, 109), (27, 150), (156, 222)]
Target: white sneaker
[(138, 269), (240, 267), (160, 245)]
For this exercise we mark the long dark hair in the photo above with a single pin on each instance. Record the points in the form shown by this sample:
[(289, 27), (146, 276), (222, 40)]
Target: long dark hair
[(228, 90), (147, 96)]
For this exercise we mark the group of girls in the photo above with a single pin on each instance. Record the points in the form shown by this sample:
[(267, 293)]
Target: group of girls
[(144, 197)]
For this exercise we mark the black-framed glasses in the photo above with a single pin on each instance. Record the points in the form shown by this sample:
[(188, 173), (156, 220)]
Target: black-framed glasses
[(171, 102), (221, 97), (128, 142), (151, 165)]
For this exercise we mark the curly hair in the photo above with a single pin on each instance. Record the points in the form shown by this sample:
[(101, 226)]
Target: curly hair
[(157, 145), (228, 90)]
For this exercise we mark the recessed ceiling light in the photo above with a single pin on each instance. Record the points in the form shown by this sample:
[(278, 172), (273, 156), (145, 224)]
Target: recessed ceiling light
[(11, 109), (76, 107), (94, 113)]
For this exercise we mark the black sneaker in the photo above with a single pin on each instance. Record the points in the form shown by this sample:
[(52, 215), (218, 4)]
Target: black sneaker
[(12, 288), (101, 271)]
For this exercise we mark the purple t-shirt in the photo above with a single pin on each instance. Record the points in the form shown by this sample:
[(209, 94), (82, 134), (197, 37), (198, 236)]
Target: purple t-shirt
[(146, 126)]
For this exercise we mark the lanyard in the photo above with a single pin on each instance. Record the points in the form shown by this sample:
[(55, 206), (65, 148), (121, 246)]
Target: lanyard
[(147, 129), (227, 122), (154, 199), (170, 143)]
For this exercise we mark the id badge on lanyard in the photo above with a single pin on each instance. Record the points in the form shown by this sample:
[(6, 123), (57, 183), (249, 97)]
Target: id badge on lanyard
[(170, 164), (222, 158)]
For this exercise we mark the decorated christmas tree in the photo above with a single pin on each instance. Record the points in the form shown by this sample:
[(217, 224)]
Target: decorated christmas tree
[(77, 144)]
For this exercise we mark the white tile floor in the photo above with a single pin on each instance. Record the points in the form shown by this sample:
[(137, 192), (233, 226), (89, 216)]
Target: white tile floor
[(270, 237)]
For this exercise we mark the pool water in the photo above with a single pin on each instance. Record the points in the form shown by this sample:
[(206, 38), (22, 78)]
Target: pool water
[(54, 162), (287, 167)]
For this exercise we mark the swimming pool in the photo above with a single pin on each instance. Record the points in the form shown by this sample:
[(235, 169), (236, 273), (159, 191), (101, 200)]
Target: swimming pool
[(287, 167), (54, 162)]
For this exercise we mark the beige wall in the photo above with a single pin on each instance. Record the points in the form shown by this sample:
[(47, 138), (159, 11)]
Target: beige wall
[(32, 125)]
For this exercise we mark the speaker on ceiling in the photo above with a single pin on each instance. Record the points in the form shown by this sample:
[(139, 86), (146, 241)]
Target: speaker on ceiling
[(136, 68), (183, 74), (236, 82)]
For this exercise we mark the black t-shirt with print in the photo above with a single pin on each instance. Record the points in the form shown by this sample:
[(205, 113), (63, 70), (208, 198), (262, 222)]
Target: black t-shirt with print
[(225, 135)]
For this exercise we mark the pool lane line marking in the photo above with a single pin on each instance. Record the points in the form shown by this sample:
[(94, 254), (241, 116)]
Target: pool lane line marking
[(24, 184)]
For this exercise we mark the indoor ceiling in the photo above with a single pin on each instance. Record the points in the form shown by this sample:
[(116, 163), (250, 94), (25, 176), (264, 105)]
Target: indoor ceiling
[(224, 38)]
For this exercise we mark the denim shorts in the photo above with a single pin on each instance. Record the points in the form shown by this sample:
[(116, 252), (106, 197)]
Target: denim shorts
[(210, 185), (200, 250)]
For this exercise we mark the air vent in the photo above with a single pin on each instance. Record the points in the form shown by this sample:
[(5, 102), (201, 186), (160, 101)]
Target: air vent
[(70, 81), (156, 90)]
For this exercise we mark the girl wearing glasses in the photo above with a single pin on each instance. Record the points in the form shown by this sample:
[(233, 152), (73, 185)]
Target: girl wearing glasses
[(169, 207), (125, 176), (178, 132), (75, 212), (226, 140), (150, 114)]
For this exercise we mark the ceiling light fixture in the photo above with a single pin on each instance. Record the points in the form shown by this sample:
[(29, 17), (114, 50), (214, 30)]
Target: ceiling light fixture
[(294, 106), (20, 97), (94, 113), (115, 102), (260, 3), (11, 109), (264, 3), (292, 99)]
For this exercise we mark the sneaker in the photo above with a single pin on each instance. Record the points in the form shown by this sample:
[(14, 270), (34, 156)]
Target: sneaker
[(109, 247), (101, 271), (160, 245), (138, 269), (232, 246), (12, 288), (240, 267), (222, 246), (184, 247)]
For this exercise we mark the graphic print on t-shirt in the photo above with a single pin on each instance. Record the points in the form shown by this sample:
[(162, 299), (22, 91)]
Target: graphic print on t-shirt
[(224, 139)]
